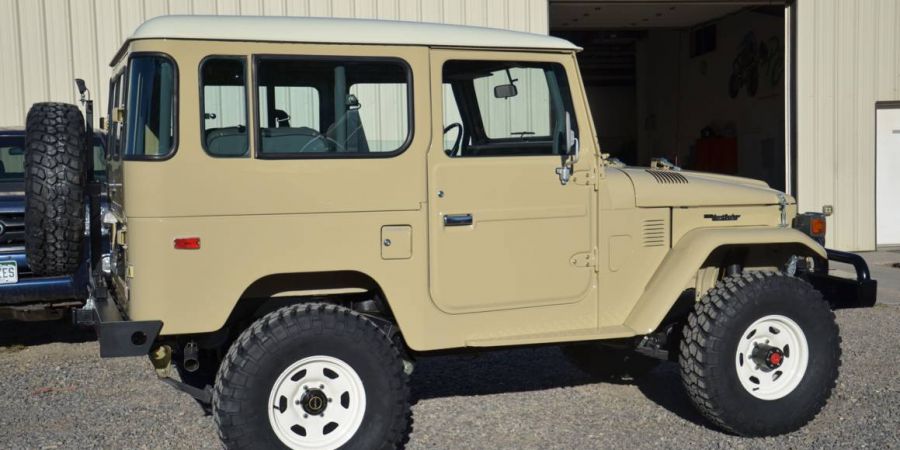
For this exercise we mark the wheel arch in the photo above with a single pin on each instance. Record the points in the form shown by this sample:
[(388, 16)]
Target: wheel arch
[(350, 288), (703, 253)]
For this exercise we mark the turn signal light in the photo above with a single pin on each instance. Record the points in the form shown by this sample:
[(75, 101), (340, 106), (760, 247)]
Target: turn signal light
[(811, 224), (188, 243), (817, 226)]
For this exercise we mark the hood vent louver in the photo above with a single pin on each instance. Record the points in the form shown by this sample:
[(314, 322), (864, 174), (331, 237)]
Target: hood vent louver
[(667, 177)]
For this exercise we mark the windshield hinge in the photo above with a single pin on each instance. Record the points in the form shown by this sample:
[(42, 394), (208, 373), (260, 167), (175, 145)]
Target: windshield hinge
[(585, 177), (118, 115), (782, 207), (586, 259)]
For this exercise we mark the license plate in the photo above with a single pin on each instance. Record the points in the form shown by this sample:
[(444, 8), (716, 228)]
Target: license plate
[(9, 272)]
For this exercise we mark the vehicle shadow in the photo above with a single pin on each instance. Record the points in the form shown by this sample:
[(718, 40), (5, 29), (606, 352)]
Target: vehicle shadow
[(535, 369), (14, 334), (493, 372), (663, 387)]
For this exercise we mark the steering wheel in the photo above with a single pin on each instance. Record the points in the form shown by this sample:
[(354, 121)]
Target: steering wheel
[(459, 136)]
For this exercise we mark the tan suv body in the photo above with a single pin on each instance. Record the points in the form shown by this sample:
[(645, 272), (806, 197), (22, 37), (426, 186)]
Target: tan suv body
[(528, 269), (444, 183)]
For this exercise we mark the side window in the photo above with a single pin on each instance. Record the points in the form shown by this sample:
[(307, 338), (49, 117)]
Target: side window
[(150, 109), (224, 100), (453, 127), (332, 107), (386, 118), (505, 108), (301, 101), (114, 133)]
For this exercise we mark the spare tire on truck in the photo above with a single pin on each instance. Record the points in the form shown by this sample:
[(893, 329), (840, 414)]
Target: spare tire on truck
[(55, 181)]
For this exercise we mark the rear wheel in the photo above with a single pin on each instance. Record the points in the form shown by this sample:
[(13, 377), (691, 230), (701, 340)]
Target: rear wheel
[(55, 162), (760, 354), (312, 376)]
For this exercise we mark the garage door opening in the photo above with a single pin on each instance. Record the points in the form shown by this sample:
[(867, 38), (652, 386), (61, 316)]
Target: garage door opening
[(701, 84)]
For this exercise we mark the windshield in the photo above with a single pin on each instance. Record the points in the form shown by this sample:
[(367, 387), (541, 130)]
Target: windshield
[(12, 158)]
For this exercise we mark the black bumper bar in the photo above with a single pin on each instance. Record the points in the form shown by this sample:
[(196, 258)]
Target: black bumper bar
[(118, 336), (843, 293), (31, 289)]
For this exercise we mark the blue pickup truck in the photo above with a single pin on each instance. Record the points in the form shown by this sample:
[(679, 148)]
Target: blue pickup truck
[(24, 294)]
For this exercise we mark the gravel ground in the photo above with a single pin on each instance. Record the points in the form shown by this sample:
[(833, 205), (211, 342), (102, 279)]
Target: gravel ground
[(57, 393)]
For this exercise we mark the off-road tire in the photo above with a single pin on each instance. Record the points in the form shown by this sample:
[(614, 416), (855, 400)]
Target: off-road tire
[(55, 164), (607, 363), (711, 337), (279, 339)]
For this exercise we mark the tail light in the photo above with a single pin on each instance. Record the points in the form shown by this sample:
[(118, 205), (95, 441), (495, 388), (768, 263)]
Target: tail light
[(187, 243)]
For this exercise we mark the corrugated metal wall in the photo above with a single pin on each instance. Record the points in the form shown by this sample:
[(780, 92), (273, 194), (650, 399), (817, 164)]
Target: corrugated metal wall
[(45, 44), (848, 58)]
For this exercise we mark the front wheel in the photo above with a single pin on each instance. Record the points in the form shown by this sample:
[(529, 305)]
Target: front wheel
[(760, 354), (312, 376)]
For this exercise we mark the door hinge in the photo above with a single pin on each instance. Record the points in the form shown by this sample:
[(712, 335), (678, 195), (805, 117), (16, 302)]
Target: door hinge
[(586, 177), (586, 259)]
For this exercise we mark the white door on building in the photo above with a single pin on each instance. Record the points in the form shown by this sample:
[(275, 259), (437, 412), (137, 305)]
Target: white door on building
[(887, 175)]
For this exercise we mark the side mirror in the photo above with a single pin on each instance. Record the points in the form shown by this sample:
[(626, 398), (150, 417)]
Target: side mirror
[(82, 87), (505, 91), (572, 144)]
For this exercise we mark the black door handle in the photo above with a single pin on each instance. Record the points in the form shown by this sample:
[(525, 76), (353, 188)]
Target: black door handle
[(457, 220)]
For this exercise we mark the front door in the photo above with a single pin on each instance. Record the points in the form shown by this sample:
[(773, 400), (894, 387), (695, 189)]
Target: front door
[(505, 232)]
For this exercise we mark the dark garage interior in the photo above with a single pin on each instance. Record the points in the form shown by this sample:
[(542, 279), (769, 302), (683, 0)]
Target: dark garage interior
[(702, 85)]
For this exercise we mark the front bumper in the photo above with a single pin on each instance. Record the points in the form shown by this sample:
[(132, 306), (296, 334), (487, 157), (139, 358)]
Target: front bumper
[(118, 336), (843, 293)]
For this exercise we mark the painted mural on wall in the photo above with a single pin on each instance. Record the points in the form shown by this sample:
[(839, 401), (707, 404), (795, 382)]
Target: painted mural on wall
[(755, 62)]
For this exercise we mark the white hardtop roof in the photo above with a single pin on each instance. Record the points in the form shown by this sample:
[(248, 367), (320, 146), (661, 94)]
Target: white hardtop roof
[(341, 31)]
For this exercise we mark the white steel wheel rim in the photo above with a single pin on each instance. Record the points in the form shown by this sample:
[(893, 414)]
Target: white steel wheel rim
[(755, 371), (312, 382)]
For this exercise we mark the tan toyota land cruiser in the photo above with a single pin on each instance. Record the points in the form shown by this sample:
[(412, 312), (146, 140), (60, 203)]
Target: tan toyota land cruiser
[(300, 207)]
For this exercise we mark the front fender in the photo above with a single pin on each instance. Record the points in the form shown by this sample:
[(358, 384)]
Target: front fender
[(681, 264)]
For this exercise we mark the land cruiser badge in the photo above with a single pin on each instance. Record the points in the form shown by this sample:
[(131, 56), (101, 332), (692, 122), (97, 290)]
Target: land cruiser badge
[(722, 217)]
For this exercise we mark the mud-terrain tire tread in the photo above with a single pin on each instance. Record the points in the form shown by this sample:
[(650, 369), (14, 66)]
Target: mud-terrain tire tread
[(704, 336), (55, 164), (236, 373)]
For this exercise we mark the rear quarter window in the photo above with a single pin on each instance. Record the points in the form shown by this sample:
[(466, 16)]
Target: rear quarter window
[(150, 108)]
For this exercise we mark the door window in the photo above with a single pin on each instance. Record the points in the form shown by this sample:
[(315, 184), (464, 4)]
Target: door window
[(505, 108)]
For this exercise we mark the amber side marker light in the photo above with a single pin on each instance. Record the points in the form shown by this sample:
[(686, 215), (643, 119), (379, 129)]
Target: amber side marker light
[(812, 224), (188, 243), (817, 226)]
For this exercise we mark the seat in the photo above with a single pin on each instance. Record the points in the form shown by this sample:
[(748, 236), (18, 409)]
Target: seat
[(356, 137), (282, 119), (228, 141), (292, 140)]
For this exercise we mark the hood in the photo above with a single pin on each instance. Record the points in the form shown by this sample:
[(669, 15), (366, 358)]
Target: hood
[(654, 188)]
